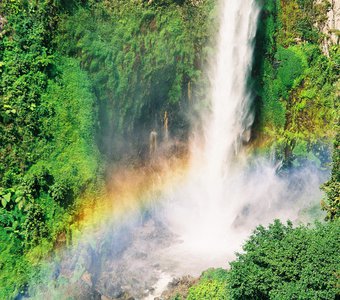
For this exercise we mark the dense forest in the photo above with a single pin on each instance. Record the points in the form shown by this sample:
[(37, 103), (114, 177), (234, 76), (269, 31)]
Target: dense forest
[(82, 83)]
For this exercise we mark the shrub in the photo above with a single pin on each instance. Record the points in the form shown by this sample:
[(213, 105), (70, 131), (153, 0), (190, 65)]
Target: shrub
[(213, 285), (282, 262), (331, 203)]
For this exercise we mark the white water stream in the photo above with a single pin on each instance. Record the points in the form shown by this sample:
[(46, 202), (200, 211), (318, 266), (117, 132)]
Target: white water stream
[(203, 210), (205, 219), (227, 193)]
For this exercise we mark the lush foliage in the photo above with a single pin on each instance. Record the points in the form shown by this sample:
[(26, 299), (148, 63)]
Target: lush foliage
[(68, 85), (332, 187), (296, 82), (298, 88), (80, 78), (47, 129), (143, 59), (282, 262), (25, 61), (213, 285)]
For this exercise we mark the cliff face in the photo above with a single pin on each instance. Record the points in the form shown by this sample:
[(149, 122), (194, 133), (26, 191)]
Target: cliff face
[(331, 28), (297, 78), (334, 20), (2, 24)]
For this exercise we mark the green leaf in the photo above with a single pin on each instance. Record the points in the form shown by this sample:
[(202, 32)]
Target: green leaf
[(18, 199), (7, 197), (3, 202), (15, 225), (21, 204)]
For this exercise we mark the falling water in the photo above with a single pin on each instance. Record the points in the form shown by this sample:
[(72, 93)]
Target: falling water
[(228, 78), (207, 206), (227, 192), (230, 117), (202, 220)]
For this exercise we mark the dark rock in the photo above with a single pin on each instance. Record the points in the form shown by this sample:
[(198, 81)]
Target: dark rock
[(179, 287)]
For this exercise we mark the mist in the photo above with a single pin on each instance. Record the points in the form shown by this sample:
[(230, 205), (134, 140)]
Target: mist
[(200, 219), (177, 231)]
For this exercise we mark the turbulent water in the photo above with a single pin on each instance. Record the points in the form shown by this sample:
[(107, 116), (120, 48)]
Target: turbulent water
[(203, 219), (208, 208), (230, 118)]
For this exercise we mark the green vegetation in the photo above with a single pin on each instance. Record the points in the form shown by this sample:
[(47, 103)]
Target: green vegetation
[(296, 83), (279, 262), (79, 79), (47, 129), (76, 78), (213, 284), (282, 262), (332, 187), (143, 58)]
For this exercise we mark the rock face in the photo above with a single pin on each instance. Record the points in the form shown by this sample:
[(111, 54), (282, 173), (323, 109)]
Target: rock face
[(2, 24), (178, 287), (331, 27), (334, 21), (132, 272), (116, 263)]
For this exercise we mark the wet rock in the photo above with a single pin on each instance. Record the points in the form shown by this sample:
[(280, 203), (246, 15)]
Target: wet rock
[(87, 278), (79, 291), (3, 21), (141, 255), (110, 286), (179, 287), (330, 28), (120, 264)]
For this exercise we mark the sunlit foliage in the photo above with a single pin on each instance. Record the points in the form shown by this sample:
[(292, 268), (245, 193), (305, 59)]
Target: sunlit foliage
[(282, 262), (296, 83), (213, 284)]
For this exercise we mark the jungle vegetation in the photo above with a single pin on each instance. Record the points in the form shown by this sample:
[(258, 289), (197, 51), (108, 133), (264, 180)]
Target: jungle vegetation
[(77, 75)]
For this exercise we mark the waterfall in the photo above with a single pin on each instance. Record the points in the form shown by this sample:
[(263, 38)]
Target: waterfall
[(227, 192), (228, 72), (202, 219), (230, 118), (203, 210)]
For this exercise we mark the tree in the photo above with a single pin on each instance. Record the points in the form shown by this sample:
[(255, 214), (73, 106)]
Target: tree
[(282, 262)]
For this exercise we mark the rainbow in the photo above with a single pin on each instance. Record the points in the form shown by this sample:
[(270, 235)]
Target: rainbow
[(129, 189)]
